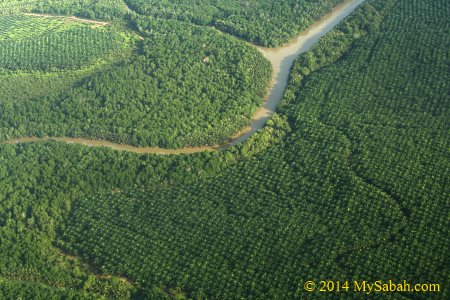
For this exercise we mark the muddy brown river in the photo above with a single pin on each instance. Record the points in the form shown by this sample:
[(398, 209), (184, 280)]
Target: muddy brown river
[(281, 59)]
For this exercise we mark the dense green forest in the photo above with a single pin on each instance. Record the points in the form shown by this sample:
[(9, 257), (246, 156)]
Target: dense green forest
[(268, 23), (169, 85), (33, 43), (98, 9), (348, 181), (363, 171), (264, 22)]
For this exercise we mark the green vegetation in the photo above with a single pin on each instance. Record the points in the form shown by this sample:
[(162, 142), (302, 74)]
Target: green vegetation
[(269, 23), (349, 181), (48, 44), (184, 85), (16, 6), (259, 229), (22, 27), (29, 290), (39, 183), (99, 9)]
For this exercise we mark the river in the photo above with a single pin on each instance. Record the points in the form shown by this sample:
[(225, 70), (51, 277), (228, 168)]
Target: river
[(281, 59)]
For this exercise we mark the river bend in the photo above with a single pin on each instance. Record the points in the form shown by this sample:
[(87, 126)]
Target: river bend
[(281, 59)]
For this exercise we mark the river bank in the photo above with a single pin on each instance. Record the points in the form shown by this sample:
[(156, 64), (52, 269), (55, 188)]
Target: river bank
[(281, 59)]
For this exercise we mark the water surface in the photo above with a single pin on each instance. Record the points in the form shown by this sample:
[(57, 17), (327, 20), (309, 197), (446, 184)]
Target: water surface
[(281, 59)]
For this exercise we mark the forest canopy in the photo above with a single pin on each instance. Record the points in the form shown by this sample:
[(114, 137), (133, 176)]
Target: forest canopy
[(264, 22), (347, 181), (30, 43), (167, 84)]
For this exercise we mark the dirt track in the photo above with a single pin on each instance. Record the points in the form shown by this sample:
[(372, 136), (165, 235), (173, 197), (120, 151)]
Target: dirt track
[(99, 23)]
